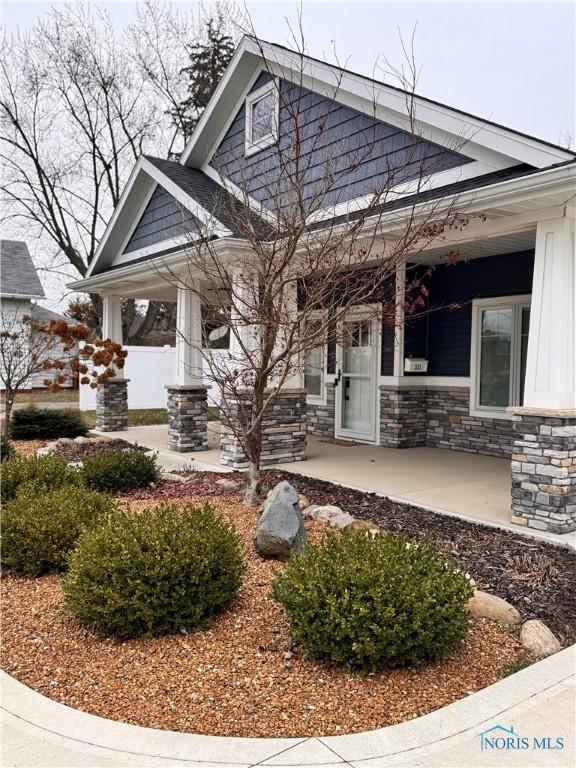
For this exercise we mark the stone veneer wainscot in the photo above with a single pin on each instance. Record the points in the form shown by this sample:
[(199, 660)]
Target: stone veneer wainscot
[(112, 406)]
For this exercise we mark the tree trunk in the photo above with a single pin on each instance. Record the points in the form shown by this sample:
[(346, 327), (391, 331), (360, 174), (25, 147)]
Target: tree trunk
[(252, 492), (8, 404)]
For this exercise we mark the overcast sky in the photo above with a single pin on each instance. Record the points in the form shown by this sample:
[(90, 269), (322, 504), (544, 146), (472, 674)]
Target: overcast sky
[(511, 62)]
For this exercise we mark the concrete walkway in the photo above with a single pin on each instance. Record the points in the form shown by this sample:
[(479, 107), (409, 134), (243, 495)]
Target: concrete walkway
[(537, 703), (469, 486)]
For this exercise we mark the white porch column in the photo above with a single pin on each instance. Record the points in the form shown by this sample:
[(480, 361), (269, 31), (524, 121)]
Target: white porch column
[(112, 322), (399, 298), (244, 288), (551, 361), (188, 339), (544, 458), (112, 397), (187, 396)]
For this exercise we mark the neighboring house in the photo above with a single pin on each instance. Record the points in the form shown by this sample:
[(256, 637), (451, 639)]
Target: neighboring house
[(20, 288), (495, 375)]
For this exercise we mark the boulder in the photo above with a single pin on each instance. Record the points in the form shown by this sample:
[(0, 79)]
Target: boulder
[(172, 477), (65, 441), (280, 528), (308, 512), (341, 521), (83, 440), (362, 526), (538, 639), (229, 485), (47, 449), (326, 512), (483, 605), (303, 501)]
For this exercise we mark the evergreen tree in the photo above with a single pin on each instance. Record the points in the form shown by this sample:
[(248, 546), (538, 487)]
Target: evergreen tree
[(208, 60)]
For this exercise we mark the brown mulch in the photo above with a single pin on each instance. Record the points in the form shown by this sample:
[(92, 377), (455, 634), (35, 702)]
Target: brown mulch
[(538, 578), (80, 451), (235, 678), (27, 448)]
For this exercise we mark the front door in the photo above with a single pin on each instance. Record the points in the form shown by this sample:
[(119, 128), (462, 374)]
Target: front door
[(356, 390)]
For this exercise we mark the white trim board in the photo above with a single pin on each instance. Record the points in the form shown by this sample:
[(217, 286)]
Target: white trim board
[(383, 101)]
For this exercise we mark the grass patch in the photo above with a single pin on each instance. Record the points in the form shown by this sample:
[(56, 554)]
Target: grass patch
[(136, 418), (515, 666), (46, 397)]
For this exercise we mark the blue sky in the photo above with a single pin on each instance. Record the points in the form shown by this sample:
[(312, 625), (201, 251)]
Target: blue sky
[(512, 62)]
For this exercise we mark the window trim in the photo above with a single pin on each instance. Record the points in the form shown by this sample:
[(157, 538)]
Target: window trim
[(250, 146), (320, 399), (516, 303)]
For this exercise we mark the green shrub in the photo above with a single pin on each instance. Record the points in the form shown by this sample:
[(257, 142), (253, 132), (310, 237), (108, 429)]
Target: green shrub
[(119, 470), (159, 572), (46, 424), (6, 449), (37, 474), (39, 530), (374, 601)]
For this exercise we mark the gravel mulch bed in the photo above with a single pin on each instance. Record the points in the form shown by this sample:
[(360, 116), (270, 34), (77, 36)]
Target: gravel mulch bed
[(536, 577), (239, 677), (80, 451), (27, 448)]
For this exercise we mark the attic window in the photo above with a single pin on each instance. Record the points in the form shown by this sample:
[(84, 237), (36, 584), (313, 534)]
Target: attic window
[(261, 118)]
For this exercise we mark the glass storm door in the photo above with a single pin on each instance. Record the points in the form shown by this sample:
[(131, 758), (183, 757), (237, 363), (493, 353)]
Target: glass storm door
[(356, 392)]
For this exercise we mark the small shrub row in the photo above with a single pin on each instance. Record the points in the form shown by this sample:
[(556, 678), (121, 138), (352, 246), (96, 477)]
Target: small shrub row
[(159, 572), (40, 529), (6, 448), (120, 470), (373, 602), (46, 424), (109, 472)]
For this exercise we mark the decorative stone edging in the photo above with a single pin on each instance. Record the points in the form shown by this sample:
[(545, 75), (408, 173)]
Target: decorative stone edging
[(48, 722)]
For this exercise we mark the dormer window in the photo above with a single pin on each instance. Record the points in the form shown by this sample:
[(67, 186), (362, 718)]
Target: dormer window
[(262, 118)]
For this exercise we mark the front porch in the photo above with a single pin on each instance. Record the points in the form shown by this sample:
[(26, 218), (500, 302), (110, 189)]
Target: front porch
[(463, 484)]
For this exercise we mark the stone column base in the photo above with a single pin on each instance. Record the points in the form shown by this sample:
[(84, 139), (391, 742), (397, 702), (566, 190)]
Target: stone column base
[(284, 430), (402, 417), (544, 470), (187, 418), (112, 406)]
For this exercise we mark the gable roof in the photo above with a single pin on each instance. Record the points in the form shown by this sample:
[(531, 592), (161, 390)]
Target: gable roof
[(44, 315), (18, 277), (438, 121), (224, 206)]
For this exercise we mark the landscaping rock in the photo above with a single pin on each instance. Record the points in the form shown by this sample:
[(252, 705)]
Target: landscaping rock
[(303, 501), (172, 477), (341, 521), (327, 512), (48, 449), (280, 528), (229, 485), (538, 639), (83, 440), (307, 512), (362, 526), (483, 605), (65, 441)]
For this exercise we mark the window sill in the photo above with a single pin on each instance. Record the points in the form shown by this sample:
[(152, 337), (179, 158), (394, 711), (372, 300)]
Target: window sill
[(261, 144), (502, 415)]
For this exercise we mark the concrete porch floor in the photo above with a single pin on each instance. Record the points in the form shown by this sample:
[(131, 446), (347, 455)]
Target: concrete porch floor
[(461, 483), (467, 485)]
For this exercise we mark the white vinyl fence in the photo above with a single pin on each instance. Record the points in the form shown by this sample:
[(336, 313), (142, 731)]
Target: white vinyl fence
[(149, 370)]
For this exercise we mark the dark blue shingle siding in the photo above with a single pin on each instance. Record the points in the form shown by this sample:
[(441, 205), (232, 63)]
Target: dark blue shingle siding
[(358, 150), (444, 335), (162, 219)]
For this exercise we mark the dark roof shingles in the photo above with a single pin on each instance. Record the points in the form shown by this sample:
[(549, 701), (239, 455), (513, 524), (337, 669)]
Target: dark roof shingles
[(17, 271)]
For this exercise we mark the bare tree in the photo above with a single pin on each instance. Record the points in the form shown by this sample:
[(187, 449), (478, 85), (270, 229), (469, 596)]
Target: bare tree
[(80, 101), (304, 266), (30, 349)]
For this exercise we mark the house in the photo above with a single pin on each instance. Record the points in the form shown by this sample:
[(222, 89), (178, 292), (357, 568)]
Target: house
[(20, 289), (491, 370)]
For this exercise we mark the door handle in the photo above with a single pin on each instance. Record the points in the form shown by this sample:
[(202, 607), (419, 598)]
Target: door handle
[(338, 377)]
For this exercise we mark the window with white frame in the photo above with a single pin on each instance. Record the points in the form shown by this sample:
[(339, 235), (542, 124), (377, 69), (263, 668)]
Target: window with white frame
[(499, 350), (314, 365), (262, 118)]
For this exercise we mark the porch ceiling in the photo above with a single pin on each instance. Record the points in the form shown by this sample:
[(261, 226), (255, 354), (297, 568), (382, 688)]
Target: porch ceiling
[(490, 246)]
